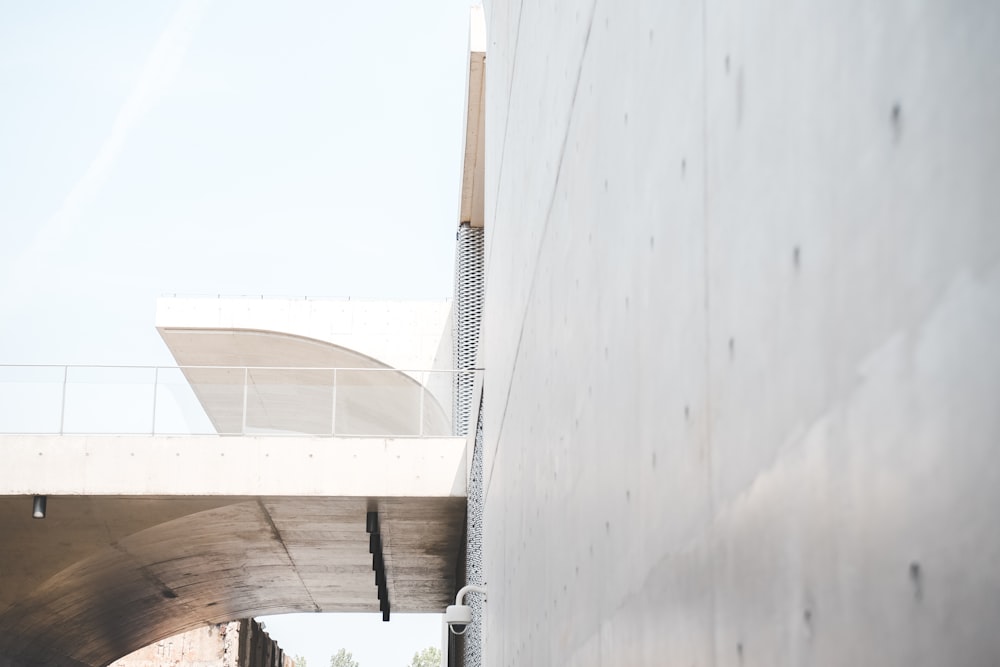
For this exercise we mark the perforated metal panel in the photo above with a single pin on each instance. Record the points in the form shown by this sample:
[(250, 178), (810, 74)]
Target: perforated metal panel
[(474, 573), (469, 295)]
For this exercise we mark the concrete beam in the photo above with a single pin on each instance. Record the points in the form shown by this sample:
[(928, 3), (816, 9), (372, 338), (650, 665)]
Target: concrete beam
[(233, 466)]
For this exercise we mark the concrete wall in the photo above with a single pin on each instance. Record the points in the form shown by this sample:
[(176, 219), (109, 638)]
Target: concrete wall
[(742, 401)]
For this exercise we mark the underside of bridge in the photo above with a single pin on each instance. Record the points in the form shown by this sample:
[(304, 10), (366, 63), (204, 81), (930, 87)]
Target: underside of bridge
[(118, 563), (322, 431)]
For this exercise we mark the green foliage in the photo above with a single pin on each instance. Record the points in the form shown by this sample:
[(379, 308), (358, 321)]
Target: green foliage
[(429, 657), (299, 661), (343, 658)]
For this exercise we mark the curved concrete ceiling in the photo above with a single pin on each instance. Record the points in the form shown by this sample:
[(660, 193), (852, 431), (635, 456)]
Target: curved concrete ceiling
[(400, 334), (292, 396), (106, 576)]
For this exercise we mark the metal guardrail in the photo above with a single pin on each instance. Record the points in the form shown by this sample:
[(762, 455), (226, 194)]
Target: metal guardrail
[(227, 400), (279, 297)]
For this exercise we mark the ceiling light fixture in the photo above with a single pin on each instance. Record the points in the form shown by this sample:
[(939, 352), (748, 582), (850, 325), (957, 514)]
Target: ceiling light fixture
[(38, 507)]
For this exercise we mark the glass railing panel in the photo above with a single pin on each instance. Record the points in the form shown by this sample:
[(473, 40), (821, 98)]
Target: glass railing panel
[(178, 411), (290, 401), (438, 403), (229, 401), (221, 392), (377, 402), (108, 400), (31, 399)]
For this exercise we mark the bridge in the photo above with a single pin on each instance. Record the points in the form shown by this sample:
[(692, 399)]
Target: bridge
[(317, 478)]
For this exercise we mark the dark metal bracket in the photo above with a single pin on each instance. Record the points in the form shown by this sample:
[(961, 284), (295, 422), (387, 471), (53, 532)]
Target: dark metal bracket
[(378, 562)]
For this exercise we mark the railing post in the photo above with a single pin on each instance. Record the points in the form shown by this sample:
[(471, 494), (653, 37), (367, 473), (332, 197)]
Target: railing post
[(333, 405), (156, 379), (246, 385), (62, 405)]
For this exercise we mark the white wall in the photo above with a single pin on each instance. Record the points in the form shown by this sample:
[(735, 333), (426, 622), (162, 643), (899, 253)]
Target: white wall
[(742, 399)]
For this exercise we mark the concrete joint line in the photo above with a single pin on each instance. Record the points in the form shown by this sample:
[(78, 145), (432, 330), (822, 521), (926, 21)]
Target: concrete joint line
[(276, 534)]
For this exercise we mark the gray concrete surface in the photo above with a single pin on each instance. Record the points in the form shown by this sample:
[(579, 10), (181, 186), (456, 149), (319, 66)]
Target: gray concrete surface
[(742, 398), (146, 537)]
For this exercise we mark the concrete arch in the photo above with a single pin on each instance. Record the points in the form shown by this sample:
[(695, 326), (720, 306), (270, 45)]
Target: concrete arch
[(231, 558)]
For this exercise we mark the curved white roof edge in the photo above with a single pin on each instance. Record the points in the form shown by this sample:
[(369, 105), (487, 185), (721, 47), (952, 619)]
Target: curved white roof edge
[(400, 334)]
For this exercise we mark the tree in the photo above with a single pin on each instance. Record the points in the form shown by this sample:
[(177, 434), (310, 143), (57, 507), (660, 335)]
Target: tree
[(343, 658), (429, 657), (299, 661)]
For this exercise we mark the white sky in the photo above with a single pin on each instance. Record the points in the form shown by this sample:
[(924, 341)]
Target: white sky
[(219, 146), (373, 642), (233, 147)]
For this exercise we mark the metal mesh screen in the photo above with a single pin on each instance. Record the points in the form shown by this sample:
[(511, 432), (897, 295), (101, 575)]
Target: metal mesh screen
[(469, 294), (474, 636)]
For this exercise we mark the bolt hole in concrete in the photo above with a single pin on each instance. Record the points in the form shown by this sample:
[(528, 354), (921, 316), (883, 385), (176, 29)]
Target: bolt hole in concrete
[(896, 116), (916, 578)]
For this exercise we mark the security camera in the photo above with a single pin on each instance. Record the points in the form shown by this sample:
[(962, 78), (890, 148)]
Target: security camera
[(458, 616)]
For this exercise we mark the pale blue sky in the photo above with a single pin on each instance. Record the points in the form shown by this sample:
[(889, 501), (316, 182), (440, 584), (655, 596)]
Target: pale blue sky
[(225, 146), (219, 146)]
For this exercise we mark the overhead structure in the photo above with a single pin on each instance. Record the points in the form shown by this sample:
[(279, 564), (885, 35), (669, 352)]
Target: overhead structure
[(267, 365), (144, 537)]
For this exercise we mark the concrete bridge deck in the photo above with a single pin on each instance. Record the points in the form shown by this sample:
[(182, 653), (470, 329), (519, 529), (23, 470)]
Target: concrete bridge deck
[(148, 536)]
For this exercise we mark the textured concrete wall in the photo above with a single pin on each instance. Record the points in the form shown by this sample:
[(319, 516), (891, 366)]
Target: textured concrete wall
[(742, 401)]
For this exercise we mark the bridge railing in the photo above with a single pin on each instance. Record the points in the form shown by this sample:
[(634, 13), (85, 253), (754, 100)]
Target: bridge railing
[(228, 400)]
